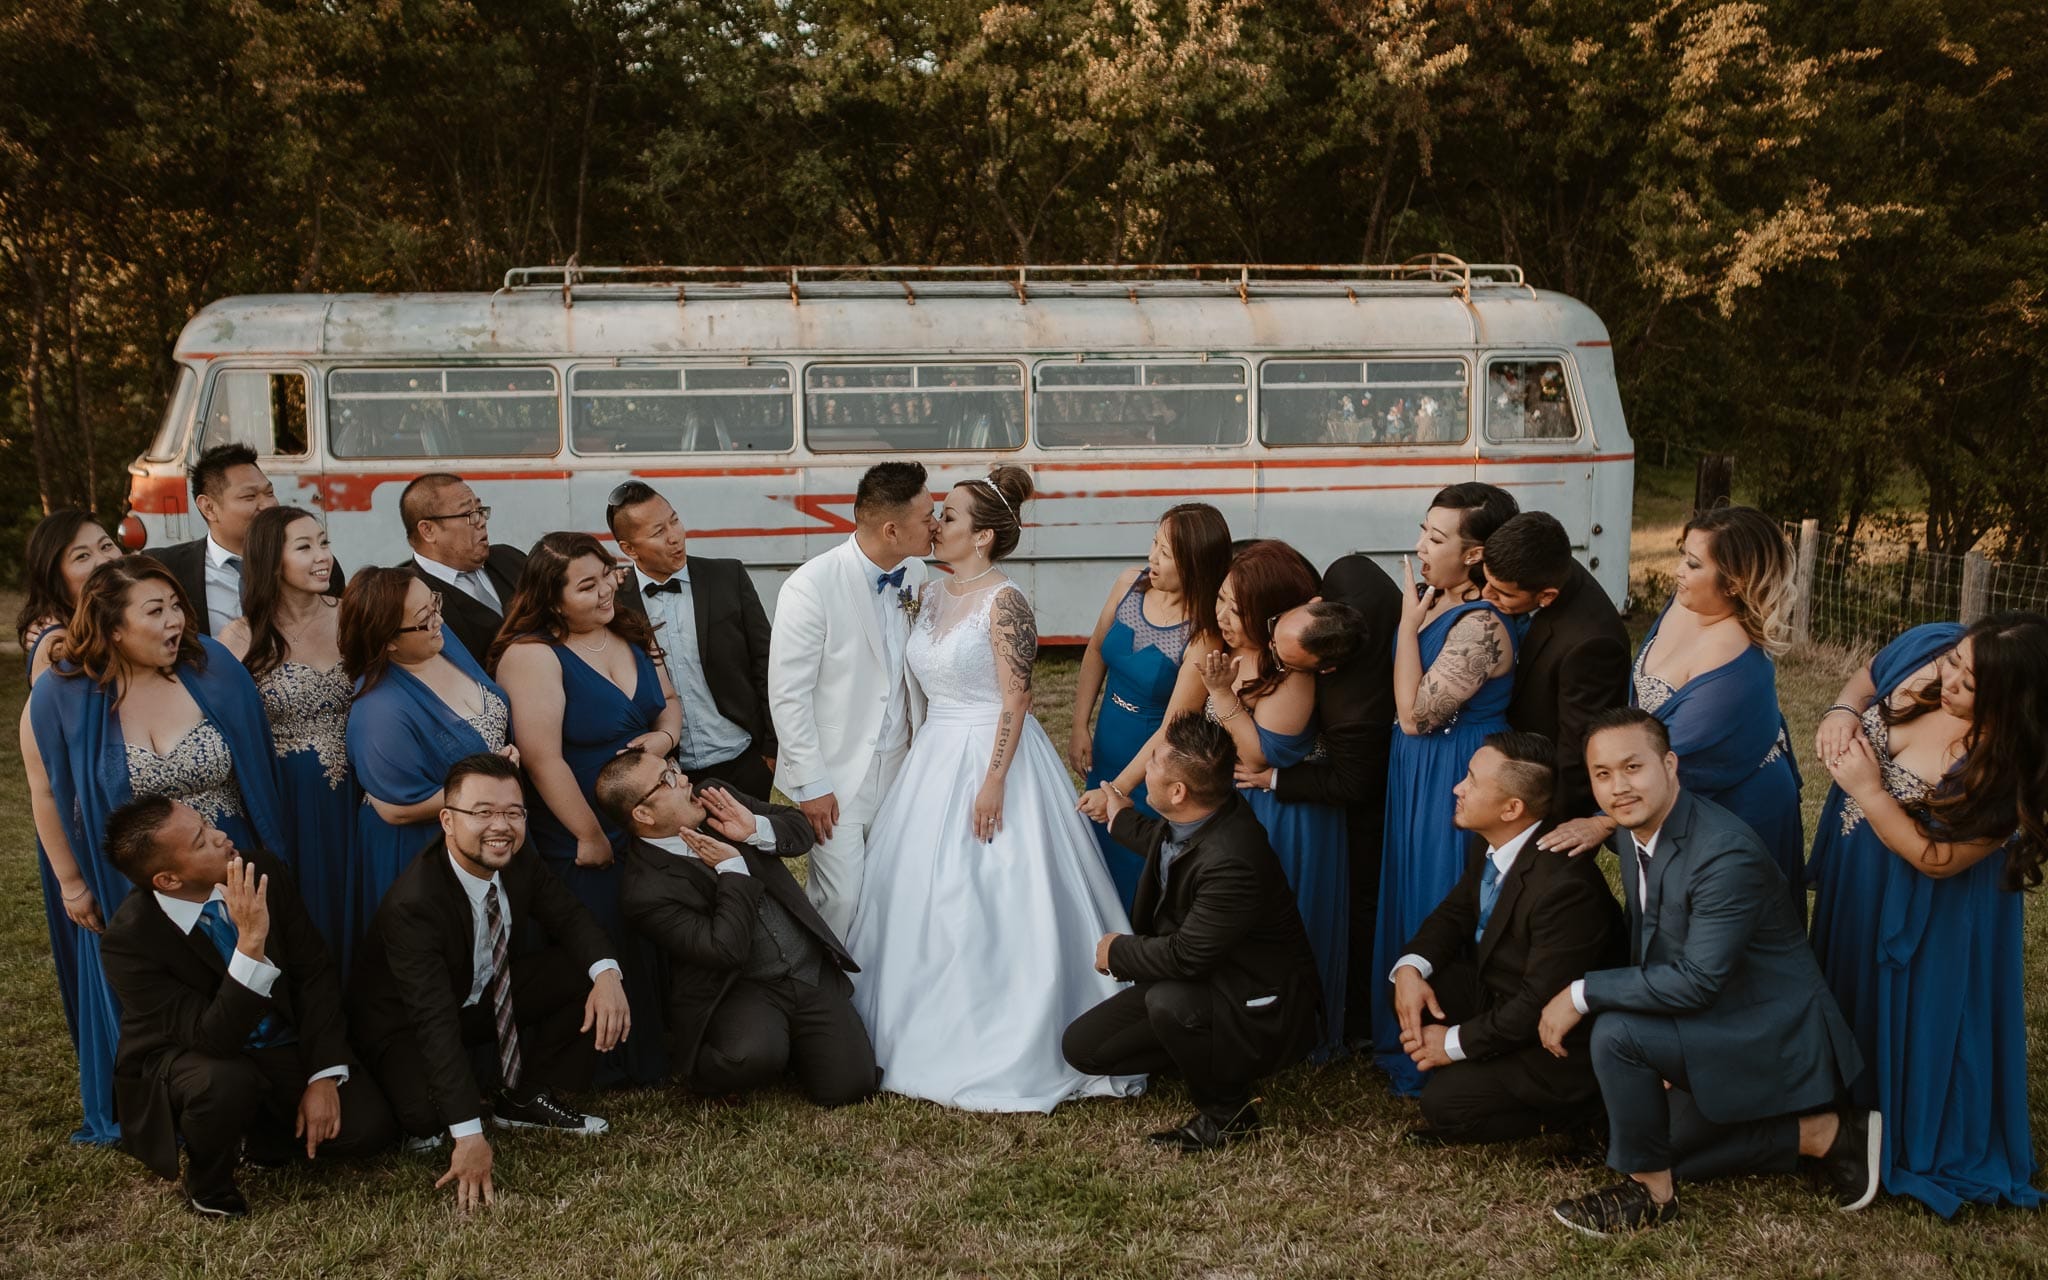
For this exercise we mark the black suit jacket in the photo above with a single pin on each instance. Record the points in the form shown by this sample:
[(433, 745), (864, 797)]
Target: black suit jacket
[(1572, 665), (416, 965), (1228, 919), (732, 641), (187, 563), (473, 623), (176, 996), (704, 922), (1354, 703), (1554, 922)]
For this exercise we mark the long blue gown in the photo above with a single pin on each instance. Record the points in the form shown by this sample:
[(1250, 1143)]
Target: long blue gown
[(78, 733), (1425, 851), (1930, 975), (63, 933), (598, 720), (402, 740), (1143, 662), (1733, 748), (1314, 848), (309, 710)]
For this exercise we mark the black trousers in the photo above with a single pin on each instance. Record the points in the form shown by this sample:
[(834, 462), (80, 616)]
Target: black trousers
[(253, 1098), (764, 1030), (549, 989), (1652, 1128), (1510, 1095), (1160, 1026), (747, 772), (1365, 832)]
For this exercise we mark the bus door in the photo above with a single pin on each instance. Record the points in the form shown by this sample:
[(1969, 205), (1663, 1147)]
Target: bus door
[(268, 407), (1534, 440)]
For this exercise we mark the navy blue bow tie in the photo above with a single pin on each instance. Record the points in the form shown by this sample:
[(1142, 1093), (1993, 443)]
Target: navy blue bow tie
[(893, 578), (674, 586)]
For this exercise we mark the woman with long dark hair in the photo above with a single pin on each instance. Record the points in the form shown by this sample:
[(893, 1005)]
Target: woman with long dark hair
[(1936, 823), (289, 640), (137, 702), (1156, 615), (587, 681)]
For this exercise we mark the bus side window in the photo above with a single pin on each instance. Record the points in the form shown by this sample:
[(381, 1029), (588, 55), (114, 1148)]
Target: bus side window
[(1529, 400), (260, 408), (1156, 404), (1365, 402), (913, 408), (432, 413), (681, 410)]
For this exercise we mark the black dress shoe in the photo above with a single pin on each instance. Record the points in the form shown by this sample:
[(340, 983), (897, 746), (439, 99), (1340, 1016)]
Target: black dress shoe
[(225, 1203), (1202, 1133), (1850, 1169), (1622, 1209)]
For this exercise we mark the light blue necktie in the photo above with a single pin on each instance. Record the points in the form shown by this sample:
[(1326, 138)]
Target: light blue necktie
[(1489, 894), (221, 931)]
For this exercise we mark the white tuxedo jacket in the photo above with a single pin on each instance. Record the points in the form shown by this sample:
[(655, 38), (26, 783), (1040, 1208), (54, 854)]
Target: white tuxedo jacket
[(828, 678)]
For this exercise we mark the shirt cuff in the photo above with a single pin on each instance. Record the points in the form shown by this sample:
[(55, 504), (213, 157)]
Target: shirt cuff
[(763, 837), (807, 791), (1412, 961), (257, 975), (466, 1129), (733, 867), (602, 966), (1452, 1048), (337, 1074), (1578, 990)]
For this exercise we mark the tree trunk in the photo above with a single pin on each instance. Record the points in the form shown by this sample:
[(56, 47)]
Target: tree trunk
[(73, 267)]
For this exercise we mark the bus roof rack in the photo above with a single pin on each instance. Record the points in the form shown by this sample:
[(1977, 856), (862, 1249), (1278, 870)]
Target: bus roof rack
[(1428, 273)]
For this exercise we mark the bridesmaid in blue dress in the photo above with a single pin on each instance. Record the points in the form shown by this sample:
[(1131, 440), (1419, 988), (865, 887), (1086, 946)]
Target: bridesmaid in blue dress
[(1269, 710), (1937, 820), (1454, 664), (289, 640), (586, 682), (421, 704), (1154, 619), (137, 703), (62, 551)]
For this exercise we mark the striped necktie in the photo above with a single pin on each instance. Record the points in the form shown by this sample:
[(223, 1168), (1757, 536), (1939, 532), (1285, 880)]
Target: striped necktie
[(500, 989)]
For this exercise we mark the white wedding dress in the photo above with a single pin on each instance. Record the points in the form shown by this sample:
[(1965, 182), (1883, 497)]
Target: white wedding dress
[(975, 955)]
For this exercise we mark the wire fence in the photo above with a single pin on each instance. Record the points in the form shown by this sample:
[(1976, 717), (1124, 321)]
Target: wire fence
[(1861, 593)]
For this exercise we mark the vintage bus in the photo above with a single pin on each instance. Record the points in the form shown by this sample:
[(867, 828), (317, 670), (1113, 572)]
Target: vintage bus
[(1322, 405)]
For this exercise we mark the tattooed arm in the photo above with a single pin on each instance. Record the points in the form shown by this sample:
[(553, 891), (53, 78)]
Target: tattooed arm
[(1013, 634), (1476, 650)]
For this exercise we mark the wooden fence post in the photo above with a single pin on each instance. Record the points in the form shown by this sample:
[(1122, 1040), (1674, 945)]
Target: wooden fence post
[(1976, 588), (1802, 581)]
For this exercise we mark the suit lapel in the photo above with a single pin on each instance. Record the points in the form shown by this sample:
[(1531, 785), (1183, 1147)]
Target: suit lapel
[(1670, 848), (859, 593), (1504, 905), (700, 609)]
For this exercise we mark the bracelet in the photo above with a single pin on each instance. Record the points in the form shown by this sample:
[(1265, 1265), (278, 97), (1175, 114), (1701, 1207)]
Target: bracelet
[(73, 897), (1235, 713), (1841, 706)]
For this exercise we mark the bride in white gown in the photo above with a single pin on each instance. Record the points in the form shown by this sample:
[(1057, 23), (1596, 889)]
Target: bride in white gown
[(985, 893)]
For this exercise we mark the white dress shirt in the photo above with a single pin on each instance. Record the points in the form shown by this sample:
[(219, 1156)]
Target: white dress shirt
[(485, 594), (1503, 858), (706, 737), (1648, 849), (257, 975), (223, 585)]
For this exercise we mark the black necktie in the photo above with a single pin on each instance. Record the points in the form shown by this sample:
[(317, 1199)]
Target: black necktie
[(674, 586), (1643, 870)]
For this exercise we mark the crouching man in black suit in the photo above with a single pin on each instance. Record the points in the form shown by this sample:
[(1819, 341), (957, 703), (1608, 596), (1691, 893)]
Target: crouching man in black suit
[(757, 981), (444, 1008), (1224, 984), (1518, 926), (231, 1027)]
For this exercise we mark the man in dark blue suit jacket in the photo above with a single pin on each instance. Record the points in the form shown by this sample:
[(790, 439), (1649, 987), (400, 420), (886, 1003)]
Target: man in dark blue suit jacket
[(1719, 1049)]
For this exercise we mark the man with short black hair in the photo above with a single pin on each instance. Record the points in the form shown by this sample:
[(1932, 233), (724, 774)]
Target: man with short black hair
[(1573, 661), (229, 490), (1224, 986), (449, 530), (231, 1024), (713, 633)]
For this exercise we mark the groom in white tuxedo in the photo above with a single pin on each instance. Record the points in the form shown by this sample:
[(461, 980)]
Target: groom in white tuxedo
[(838, 691)]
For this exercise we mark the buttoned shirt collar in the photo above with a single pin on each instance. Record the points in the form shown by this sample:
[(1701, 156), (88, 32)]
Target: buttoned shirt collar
[(218, 555), (183, 912), (1504, 857)]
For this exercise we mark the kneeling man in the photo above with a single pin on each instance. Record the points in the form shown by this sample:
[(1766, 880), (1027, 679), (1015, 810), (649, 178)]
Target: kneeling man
[(757, 982), (1224, 983), (1719, 1048), (1521, 924), (231, 1028)]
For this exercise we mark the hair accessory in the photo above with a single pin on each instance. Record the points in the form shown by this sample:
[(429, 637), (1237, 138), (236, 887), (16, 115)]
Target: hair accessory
[(999, 495)]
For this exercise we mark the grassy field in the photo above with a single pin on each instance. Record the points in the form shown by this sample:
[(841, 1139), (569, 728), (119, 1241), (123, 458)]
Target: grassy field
[(773, 1187)]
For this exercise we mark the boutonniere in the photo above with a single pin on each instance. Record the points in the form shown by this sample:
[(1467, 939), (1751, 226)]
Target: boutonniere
[(907, 600)]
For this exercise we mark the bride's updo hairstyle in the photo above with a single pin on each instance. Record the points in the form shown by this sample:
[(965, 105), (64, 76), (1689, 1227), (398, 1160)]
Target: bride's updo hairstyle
[(997, 503)]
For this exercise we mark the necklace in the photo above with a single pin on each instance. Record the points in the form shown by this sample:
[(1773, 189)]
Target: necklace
[(961, 582), (600, 649)]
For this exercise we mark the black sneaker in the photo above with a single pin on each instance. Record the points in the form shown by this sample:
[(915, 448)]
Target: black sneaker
[(1850, 1169), (1203, 1133), (225, 1203), (1621, 1209), (542, 1112)]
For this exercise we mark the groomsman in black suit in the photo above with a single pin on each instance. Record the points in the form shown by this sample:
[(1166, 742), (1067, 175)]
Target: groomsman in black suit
[(231, 1027), (1347, 639), (1519, 925), (757, 980), (449, 531), (710, 624), (1573, 661), (443, 1008), (228, 490), (1718, 1047), (1224, 983)]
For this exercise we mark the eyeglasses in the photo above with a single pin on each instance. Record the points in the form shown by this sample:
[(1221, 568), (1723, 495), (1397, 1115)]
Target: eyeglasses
[(625, 495), (1273, 645), (670, 777), (433, 612), (477, 516), (512, 813)]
